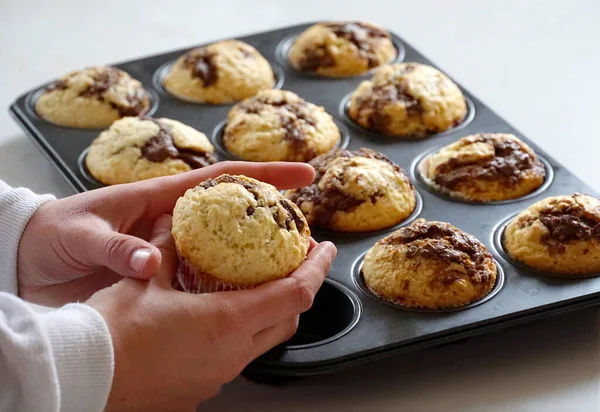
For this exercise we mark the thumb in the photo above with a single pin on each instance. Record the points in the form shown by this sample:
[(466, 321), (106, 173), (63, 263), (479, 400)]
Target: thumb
[(126, 255), (163, 240)]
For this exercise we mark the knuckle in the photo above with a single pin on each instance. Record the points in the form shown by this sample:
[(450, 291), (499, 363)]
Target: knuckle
[(303, 294), (112, 245)]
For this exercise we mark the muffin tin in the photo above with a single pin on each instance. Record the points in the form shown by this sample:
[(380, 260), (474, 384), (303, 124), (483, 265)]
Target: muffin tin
[(347, 324)]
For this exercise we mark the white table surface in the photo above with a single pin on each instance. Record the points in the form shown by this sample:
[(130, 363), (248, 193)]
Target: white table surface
[(535, 62)]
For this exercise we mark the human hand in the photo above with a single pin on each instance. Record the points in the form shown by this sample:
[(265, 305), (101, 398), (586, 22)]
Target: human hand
[(174, 349), (75, 246)]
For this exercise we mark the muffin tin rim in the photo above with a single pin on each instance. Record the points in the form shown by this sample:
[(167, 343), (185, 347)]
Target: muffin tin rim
[(497, 241), (468, 119), (282, 51), (357, 279), (216, 138), (33, 96), (161, 71), (356, 316)]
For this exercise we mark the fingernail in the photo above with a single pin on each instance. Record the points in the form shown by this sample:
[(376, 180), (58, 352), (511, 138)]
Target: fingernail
[(139, 259)]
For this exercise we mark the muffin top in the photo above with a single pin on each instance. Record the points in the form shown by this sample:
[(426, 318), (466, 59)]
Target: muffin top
[(559, 235), (363, 183), (138, 148), (565, 220), (339, 49), (279, 125), (240, 231), (469, 166), (221, 72), (93, 97), (408, 99), (430, 264)]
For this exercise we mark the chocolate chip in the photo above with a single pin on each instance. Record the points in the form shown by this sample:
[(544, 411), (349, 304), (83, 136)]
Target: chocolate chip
[(203, 66), (292, 116), (161, 147), (250, 210), (108, 77), (315, 58), (293, 215), (510, 163), (380, 97)]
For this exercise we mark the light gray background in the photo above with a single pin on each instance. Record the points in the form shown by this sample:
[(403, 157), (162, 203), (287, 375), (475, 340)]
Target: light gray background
[(537, 63)]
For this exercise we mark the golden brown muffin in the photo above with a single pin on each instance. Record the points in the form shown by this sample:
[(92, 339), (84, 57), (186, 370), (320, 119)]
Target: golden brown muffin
[(408, 99), (340, 49), (279, 125), (355, 192), (222, 72), (139, 148), (558, 235), (93, 97), (429, 265), (234, 232), (484, 167)]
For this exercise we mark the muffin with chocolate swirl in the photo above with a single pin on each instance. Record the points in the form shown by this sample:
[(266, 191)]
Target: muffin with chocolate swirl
[(341, 49), (408, 99), (139, 148), (93, 97), (279, 125), (355, 192), (559, 235), (222, 72), (431, 265), (484, 167), (234, 232)]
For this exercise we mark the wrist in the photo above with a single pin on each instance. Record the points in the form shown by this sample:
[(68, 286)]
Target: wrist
[(17, 206), (82, 351)]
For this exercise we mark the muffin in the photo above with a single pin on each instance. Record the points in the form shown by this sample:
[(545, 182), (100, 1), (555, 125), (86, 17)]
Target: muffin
[(223, 72), (279, 125), (558, 235), (408, 99), (234, 232), (355, 192), (93, 97), (340, 49), (430, 265), (484, 167), (138, 148)]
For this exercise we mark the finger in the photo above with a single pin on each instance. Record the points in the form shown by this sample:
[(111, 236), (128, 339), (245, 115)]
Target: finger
[(126, 255), (272, 336), (160, 194), (313, 243), (163, 240), (273, 302)]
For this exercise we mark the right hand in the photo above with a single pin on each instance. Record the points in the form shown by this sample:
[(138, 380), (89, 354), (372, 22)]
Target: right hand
[(174, 349)]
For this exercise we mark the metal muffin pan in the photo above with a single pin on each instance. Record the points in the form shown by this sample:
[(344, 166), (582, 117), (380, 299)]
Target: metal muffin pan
[(347, 324)]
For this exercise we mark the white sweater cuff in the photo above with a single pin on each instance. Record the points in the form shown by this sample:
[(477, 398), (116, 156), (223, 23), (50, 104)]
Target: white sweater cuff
[(16, 208), (82, 351)]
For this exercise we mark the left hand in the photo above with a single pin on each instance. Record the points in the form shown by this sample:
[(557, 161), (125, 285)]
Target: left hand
[(75, 246)]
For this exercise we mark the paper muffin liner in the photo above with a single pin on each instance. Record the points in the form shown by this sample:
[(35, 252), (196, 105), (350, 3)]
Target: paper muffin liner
[(194, 281)]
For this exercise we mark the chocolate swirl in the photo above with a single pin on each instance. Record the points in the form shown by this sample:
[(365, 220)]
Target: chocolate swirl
[(162, 146), (442, 241)]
